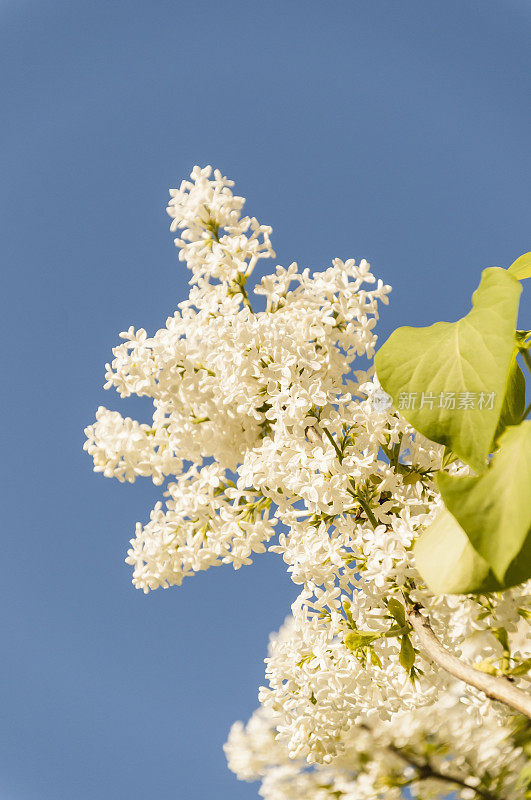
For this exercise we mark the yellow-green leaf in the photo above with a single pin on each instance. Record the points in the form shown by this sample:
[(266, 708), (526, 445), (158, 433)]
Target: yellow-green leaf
[(468, 359), (521, 268), (356, 639), (514, 400), (448, 562), (494, 509), (406, 656), (397, 611), (523, 340)]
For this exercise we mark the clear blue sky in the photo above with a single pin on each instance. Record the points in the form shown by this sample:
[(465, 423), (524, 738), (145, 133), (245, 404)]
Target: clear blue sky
[(394, 131)]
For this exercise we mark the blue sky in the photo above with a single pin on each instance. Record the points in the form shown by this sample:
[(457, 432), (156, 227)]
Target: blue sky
[(398, 132)]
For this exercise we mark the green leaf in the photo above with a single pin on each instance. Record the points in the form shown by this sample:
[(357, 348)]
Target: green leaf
[(411, 477), (375, 659), (513, 406), (520, 568), (448, 458), (397, 611), (355, 639), (501, 635), (406, 656), (526, 357), (472, 355), (523, 339), (524, 778), (521, 268), (522, 669), (448, 562), (494, 509)]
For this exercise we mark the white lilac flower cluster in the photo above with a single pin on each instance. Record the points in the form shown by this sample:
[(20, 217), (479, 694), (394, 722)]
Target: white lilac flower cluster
[(435, 751), (262, 425), (215, 241)]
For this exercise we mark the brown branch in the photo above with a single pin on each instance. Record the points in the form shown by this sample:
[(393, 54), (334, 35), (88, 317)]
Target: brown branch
[(497, 688), (426, 771)]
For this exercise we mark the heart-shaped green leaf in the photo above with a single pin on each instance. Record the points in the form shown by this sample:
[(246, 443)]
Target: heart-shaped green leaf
[(449, 379), (494, 509)]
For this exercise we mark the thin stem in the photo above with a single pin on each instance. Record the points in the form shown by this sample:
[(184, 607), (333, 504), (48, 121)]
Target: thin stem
[(334, 445), (245, 297), (239, 284), (497, 688), (314, 436), (213, 227), (367, 509)]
